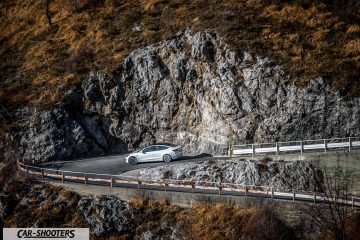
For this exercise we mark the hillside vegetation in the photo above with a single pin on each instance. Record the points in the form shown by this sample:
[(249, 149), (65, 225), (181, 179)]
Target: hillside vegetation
[(26, 203), (40, 61)]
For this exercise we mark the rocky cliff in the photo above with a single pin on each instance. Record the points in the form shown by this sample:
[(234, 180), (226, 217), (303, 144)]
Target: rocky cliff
[(192, 90)]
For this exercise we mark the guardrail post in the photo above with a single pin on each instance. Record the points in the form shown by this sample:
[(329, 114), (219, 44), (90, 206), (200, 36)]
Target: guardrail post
[(111, 182), (192, 186), (85, 179), (350, 142), (165, 185), (219, 188), (277, 149), (272, 192), (62, 177), (139, 182), (325, 145), (301, 147), (314, 197), (246, 191), (42, 174), (352, 202), (253, 150), (294, 195)]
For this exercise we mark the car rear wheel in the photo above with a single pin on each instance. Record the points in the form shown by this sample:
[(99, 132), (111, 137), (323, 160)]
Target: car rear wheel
[(167, 158), (133, 160)]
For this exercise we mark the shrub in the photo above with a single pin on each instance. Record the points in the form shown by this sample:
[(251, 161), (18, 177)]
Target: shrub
[(168, 174)]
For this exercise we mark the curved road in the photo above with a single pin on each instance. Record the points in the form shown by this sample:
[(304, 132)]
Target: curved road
[(116, 164)]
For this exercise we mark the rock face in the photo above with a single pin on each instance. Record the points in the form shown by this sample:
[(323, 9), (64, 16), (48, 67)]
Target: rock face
[(194, 91), (299, 175), (105, 214), (62, 134)]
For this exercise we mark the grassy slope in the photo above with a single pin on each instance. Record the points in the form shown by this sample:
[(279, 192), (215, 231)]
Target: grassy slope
[(40, 62)]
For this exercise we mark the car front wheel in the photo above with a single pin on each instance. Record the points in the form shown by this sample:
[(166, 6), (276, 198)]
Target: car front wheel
[(133, 160), (167, 158)]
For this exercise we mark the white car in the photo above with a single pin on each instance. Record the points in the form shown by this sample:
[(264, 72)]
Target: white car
[(154, 153)]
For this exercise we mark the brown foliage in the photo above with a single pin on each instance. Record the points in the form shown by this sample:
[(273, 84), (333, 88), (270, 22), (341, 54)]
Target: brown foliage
[(226, 222), (310, 38), (47, 205), (207, 221)]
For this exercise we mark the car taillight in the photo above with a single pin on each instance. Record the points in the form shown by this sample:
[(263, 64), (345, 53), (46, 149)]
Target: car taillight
[(177, 150)]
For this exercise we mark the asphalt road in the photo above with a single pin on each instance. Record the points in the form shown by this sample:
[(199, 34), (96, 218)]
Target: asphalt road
[(116, 164)]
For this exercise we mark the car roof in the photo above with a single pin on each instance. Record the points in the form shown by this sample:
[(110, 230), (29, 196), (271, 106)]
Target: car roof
[(163, 144)]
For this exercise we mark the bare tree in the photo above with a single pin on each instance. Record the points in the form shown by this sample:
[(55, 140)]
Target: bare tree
[(47, 8), (331, 212)]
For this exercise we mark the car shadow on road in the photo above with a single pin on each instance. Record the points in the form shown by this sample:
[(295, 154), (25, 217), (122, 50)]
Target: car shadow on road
[(189, 157)]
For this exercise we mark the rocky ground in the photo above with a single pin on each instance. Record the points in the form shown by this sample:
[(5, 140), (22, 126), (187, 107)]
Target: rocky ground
[(192, 90), (282, 175)]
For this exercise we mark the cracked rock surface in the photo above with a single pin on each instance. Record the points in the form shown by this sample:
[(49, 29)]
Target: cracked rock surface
[(105, 214), (192, 90)]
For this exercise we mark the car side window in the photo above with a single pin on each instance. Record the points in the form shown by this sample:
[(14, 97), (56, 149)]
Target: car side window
[(160, 148), (148, 149)]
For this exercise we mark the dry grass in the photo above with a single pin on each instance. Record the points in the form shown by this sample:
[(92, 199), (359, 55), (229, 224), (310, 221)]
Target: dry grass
[(352, 48), (226, 222), (309, 38), (43, 207), (353, 29), (208, 221)]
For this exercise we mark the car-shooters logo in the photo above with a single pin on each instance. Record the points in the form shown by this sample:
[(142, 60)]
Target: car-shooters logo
[(46, 233)]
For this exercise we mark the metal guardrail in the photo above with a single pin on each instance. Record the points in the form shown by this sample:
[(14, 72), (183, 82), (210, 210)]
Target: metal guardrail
[(166, 184), (301, 147)]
